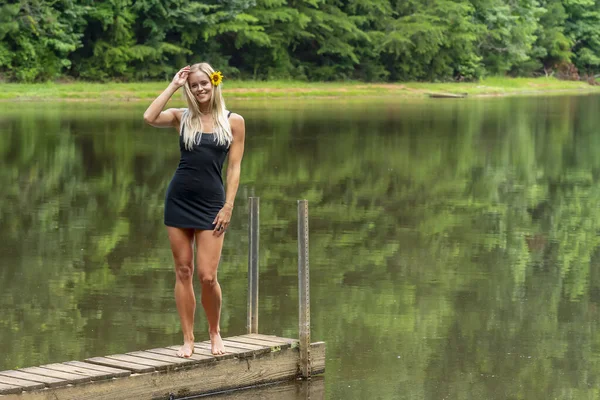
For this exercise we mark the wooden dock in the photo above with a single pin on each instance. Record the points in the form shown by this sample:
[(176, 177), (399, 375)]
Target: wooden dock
[(250, 360)]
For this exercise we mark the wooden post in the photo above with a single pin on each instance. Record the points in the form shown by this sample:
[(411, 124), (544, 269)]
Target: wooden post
[(304, 289), (253, 235)]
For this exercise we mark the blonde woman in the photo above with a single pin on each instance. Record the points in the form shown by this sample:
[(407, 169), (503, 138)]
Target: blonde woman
[(197, 207)]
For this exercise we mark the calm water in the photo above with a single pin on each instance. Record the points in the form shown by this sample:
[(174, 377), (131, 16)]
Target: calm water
[(454, 244)]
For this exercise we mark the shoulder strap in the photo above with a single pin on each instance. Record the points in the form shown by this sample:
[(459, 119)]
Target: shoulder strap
[(229, 114)]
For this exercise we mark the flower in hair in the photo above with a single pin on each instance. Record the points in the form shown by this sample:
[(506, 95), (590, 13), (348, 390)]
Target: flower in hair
[(216, 78)]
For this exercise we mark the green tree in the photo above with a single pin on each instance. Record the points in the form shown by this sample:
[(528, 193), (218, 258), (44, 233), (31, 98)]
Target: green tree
[(553, 47), (509, 34), (37, 38), (582, 28)]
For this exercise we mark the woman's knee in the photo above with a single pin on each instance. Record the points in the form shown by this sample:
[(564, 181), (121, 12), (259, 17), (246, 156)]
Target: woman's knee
[(207, 278), (184, 271)]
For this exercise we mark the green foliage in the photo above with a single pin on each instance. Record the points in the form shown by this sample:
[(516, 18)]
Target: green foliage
[(553, 46), (37, 37), (582, 27), (318, 40)]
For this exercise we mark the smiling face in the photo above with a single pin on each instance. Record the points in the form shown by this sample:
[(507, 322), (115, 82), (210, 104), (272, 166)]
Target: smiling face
[(200, 86)]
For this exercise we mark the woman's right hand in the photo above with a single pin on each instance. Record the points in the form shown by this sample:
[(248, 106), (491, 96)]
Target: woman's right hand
[(180, 77)]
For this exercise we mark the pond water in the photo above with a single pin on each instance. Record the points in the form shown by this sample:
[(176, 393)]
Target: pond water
[(454, 244)]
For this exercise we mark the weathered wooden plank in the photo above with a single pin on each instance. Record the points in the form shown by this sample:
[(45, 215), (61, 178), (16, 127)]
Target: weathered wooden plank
[(317, 355), (176, 361), (245, 350), (158, 365), (50, 382), (24, 384), (71, 377), (260, 342), (94, 375), (9, 389), (231, 351), (244, 345), (206, 378), (255, 348), (274, 339), (118, 373), (200, 358), (313, 389), (110, 362)]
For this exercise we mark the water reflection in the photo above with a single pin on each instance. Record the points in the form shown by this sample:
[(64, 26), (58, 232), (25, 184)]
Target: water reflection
[(454, 244)]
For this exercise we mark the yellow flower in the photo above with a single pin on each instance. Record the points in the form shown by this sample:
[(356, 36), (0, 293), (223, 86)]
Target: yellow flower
[(216, 78)]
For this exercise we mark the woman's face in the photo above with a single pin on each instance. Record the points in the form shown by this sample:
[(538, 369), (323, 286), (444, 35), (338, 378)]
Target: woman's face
[(201, 86)]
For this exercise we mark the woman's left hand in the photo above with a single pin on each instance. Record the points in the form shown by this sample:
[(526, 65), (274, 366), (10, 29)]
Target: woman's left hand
[(222, 220)]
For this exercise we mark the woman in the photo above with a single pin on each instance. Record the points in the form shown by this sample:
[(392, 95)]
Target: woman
[(197, 208)]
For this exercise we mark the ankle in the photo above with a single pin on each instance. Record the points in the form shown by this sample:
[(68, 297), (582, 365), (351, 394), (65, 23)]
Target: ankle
[(188, 339), (214, 332)]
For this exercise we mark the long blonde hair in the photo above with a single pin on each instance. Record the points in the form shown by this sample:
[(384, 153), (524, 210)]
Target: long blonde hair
[(191, 121)]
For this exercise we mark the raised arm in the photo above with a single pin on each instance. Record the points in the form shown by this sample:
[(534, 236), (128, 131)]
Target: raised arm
[(155, 115)]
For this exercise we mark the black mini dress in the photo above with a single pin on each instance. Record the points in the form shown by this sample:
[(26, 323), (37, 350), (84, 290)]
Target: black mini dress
[(196, 193)]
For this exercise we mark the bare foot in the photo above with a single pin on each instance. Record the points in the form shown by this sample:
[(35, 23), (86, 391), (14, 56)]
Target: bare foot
[(216, 344), (186, 350)]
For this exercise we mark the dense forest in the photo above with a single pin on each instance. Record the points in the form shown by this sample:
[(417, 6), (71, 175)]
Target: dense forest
[(370, 40)]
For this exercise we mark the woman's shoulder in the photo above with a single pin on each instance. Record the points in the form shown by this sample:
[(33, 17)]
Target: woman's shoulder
[(179, 113), (234, 117), (236, 121)]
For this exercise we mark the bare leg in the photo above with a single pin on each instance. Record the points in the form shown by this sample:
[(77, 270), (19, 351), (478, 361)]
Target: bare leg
[(208, 247), (181, 246)]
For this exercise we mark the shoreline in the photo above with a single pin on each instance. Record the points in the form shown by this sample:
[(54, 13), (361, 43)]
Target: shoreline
[(294, 90)]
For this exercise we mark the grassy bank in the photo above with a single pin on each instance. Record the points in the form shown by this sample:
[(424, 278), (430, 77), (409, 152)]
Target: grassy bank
[(283, 89)]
